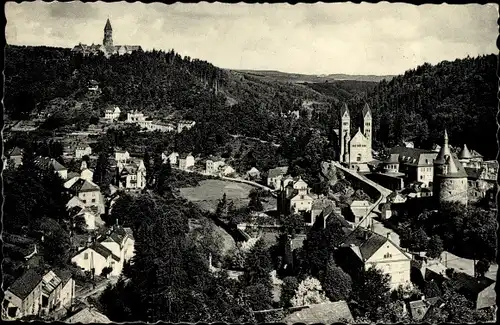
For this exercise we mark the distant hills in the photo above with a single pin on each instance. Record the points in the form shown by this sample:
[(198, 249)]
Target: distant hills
[(302, 78)]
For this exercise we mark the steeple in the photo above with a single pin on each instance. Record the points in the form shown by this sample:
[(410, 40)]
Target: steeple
[(445, 150), (108, 35), (108, 26)]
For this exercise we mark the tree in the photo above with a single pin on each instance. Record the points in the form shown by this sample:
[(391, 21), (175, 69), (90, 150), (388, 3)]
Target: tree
[(336, 283), (291, 224), (255, 203), (482, 266), (309, 292), (102, 176), (258, 264), (371, 293), (288, 288), (435, 247), (431, 289)]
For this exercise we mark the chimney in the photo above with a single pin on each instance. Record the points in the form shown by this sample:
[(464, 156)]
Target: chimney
[(388, 235)]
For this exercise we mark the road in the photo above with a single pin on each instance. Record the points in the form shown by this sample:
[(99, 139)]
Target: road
[(98, 288)]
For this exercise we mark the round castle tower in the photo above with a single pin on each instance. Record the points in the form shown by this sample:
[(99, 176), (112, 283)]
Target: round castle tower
[(450, 178)]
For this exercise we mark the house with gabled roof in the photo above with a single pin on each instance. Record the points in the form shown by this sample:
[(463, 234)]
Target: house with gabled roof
[(46, 163), (213, 165), (325, 313), (23, 297), (294, 196), (112, 251), (253, 174), (131, 174), (363, 249), (88, 192), (186, 161), (82, 150), (88, 315), (416, 164), (419, 308), (275, 175), (16, 156)]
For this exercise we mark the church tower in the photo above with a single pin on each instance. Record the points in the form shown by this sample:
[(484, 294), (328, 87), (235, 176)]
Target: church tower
[(450, 178), (345, 132), (108, 35), (367, 125)]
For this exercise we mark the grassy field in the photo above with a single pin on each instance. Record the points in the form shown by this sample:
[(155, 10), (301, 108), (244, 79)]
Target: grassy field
[(210, 191)]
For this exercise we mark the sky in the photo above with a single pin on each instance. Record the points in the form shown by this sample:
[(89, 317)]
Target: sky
[(379, 39)]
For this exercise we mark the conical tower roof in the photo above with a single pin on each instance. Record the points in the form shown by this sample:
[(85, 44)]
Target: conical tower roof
[(108, 25), (444, 151), (465, 153), (452, 167)]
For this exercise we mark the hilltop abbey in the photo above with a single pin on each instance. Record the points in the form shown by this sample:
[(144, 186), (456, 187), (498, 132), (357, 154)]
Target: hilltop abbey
[(107, 47)]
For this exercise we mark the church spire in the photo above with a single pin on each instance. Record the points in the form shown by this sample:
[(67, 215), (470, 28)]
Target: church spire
[(108, 25)]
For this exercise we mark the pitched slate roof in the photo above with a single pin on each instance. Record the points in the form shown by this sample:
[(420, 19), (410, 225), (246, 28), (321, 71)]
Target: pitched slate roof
[(25, 284), (278, 171), (44, 163), (366, 110), (456, 169), (63, 274), (419, 308), (88, 316), (326, 313), (413, 156), (473, 173), (487, 297), (83, 185), (16, 152), (368, 242)]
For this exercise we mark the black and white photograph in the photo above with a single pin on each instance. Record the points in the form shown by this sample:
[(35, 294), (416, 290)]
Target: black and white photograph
[(248, 163)]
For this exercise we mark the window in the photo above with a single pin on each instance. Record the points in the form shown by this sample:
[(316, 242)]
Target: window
[(84, 201), (387, 255), (86, 256), (93, 200)]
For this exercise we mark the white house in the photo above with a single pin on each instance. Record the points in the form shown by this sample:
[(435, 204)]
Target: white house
[(121, 155), (227, 170), (88, 192), (82, 150), (185, 125), (253, 174), (87, 174), (186, 161), (95, 258), (112, 114), (112, 251), (132, 174), (173, 157), (275, 175), (23, 297), (365, 249), (212, 167), (294, 196), (359, 209)]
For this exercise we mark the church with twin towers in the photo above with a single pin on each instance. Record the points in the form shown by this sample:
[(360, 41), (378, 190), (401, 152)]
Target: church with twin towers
[(355, 152)]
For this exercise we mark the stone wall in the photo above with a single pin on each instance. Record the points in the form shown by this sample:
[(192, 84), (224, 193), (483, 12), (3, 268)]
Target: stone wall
[(452, 189)]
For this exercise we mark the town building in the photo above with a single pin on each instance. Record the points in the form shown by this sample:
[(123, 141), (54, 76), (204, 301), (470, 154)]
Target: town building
[(139, 118), (186, 161), (131, 174), (359, 210), (356, 152), (227, 170), (112, 114), (88, 315), (23, 297), (185, 125), (172, 157), (107, 48), (253, 174), (88, 192), (275, 175), (212, 167), (121, 155), (363, 249), (82, 150), (16, 156), (470, 158), (112, 251), (322, 209), (450, 178), (417, 165), (294, 196), (52, 164)]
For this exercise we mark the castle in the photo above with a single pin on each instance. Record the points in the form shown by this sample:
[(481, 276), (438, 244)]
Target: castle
[(450, 177), (356, 152), (107, 47)]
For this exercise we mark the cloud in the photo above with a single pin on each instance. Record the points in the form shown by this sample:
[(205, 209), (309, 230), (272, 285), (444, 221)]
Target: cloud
[(317, 38)]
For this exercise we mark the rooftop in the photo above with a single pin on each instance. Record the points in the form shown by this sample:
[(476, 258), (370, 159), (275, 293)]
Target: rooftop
[(25, 284), (88, 316)]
